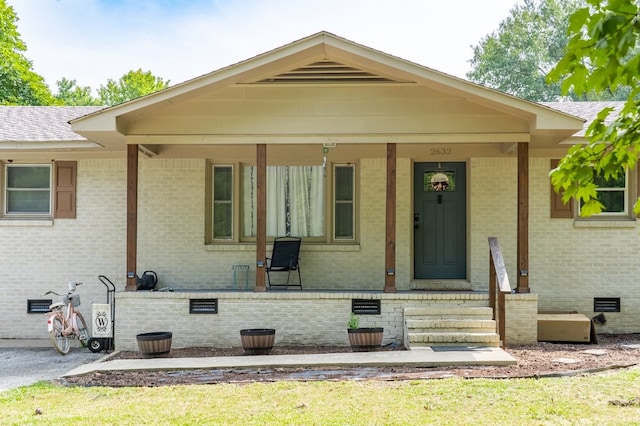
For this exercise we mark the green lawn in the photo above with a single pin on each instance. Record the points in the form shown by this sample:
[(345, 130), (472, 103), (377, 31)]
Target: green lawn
[(607, 398)]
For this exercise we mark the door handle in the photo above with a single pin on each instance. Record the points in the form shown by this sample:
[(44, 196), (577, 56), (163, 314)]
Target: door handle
[(416, 220), (439, 198)]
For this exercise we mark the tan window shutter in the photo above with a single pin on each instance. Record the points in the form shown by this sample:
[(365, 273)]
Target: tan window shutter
[(559, 210), (65, 184)]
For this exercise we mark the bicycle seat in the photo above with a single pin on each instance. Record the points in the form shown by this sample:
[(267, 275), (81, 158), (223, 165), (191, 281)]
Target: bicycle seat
[(56, 305)]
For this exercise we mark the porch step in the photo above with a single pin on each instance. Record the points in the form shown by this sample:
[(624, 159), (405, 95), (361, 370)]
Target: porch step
[(450, 325), (448, 311), (454, 339)]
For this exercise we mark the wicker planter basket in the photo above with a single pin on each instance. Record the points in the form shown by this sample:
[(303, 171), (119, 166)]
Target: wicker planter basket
[(257, 341), (365, 339), (154, 344)]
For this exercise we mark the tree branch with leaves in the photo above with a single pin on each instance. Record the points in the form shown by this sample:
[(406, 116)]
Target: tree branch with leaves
[(602, 54), (19, 84)]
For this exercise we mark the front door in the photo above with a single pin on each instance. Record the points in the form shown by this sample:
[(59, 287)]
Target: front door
[(440, 243)]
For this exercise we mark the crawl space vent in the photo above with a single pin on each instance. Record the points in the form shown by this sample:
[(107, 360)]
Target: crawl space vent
[(203, 306), (38, 306), (606, 304), (365, 307)]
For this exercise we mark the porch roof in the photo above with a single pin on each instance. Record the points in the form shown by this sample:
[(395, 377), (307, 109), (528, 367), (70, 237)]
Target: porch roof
[(260, 101)]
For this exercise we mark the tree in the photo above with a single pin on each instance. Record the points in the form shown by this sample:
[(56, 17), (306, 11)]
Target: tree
[(517, 57), (602, 54), (130, 86), (69, 93), (19, 84)]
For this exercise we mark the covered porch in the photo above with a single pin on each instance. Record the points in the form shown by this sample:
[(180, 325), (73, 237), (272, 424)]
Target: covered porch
[(340, 109)]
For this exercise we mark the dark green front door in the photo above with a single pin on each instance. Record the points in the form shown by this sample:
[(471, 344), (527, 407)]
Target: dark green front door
[(440, 221)]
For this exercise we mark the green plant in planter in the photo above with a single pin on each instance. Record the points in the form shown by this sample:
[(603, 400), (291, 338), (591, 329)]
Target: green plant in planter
[(363, 339), (354, 321)]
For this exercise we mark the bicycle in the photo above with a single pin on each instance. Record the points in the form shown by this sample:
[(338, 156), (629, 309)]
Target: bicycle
[(65, 326)]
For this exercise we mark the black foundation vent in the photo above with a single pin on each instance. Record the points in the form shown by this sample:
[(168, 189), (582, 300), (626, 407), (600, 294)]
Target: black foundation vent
[(38, 306), (365, 307), (606, 304), (203, 306)]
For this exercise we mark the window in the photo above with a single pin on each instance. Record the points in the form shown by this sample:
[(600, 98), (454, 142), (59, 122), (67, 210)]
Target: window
[(223, 202), (297, 199), (613, 194), (344, 202), (27, 189), (39, 190)]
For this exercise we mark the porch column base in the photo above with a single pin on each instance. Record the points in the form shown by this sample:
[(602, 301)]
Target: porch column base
[(523, 290), (260, 288)]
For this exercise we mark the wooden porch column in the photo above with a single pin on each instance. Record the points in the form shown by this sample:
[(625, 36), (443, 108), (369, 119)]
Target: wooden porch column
[(390, 239), (261, 228), (523, 218), (132, 216)]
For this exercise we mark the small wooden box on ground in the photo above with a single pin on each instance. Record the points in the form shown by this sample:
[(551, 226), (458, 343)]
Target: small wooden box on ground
[(563, 326)]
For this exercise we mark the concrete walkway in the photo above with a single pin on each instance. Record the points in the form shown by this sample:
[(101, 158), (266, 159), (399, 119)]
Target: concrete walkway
[(424, 357), (81, 361)]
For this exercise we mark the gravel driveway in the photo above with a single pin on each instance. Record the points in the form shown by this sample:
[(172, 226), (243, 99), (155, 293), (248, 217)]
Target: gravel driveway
[(25, 362)]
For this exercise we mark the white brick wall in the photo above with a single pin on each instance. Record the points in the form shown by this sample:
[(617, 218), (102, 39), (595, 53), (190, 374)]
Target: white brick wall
[(493, 211), (300, 318), (521, 318), (37, 258), (569, 265)]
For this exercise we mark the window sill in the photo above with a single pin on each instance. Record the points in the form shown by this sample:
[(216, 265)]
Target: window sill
[(250, 247), (25, 222), (605, 223)]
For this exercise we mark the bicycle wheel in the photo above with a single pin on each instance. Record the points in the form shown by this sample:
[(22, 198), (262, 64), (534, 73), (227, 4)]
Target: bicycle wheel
[(83, 332), (60, 341)]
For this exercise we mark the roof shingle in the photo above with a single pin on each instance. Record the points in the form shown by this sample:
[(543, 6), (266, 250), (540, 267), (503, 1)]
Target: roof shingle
[(41, 123)]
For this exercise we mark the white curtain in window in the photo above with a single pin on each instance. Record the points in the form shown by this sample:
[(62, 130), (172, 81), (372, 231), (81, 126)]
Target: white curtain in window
[(276, 202), (295, 201), (306, 201)]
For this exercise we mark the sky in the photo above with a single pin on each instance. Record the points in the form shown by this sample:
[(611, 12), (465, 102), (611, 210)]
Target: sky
[(92, 41)]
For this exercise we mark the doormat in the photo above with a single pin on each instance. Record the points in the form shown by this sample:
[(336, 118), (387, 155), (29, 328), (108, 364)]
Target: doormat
[(460, 348)]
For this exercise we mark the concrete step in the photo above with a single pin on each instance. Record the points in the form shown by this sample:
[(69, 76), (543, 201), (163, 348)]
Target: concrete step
[(448, 312), (454, 324), (450, 325), (453, 339)]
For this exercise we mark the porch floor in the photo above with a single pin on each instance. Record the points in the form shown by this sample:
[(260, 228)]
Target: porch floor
[(423, 357)]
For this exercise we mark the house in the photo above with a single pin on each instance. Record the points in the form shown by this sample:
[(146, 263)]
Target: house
[(394, 175)]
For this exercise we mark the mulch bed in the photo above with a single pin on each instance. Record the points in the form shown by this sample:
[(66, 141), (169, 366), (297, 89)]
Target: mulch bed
[(540, 360)]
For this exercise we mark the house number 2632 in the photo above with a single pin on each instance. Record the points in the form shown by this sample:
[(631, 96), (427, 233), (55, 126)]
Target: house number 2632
[(440, 151)]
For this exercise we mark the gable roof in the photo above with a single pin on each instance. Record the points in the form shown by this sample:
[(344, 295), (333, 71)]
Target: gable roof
[(323, 59)]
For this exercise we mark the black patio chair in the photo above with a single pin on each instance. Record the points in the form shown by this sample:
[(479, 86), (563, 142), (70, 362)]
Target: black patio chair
[(285, 258)]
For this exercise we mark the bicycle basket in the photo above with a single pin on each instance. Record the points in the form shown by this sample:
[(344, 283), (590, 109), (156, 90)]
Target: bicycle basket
[(75, 300)]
